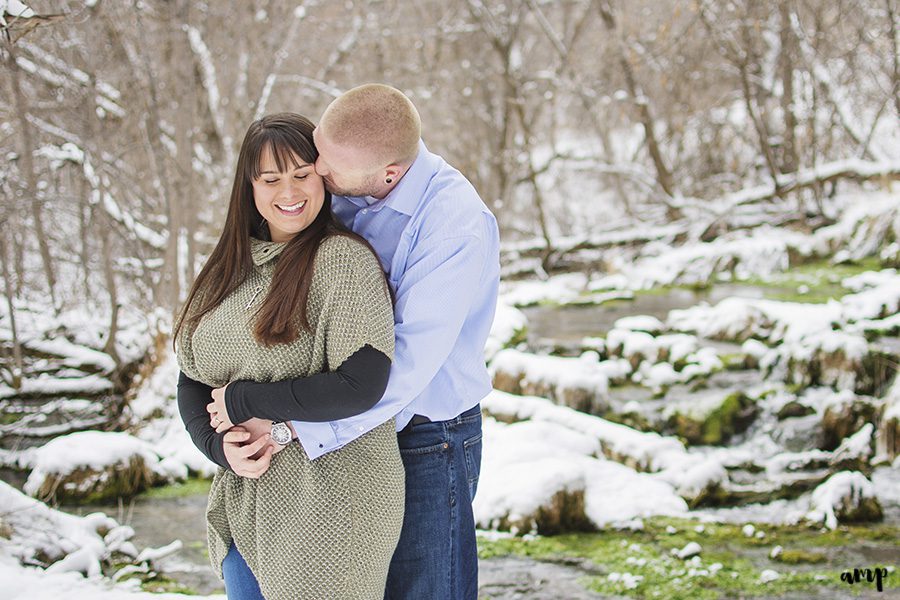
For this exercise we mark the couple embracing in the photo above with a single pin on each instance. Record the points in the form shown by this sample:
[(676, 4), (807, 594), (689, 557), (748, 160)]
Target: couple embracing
[(331, 354)]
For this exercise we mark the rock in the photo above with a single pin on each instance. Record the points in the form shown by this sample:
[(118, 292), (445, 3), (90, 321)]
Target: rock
[(96, 465), (887, 441), (843, 416), (647, 323), (846, 497), (794, 409), (768, 576), (855, 451), (709, 417), (690, 550), (580, 383), (5, 529)]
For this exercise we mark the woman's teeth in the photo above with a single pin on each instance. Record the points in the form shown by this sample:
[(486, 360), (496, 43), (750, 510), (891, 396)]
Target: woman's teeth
[(291, 208)]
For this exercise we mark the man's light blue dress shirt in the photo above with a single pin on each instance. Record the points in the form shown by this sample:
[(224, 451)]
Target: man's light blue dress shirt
[(440, 247)]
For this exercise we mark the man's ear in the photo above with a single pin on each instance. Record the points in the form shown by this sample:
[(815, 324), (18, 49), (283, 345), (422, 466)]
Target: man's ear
[(392, 173)]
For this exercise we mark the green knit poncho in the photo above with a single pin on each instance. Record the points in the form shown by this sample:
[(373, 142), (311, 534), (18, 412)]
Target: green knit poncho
[(322, 529)]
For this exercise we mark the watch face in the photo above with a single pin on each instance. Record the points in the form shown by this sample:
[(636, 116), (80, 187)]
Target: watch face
[(281, 433)]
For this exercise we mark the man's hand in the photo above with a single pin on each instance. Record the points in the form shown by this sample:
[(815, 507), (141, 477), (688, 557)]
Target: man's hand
[(218, 415), (246, 458)]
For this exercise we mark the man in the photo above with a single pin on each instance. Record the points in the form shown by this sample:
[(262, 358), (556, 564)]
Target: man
[(439, 245)]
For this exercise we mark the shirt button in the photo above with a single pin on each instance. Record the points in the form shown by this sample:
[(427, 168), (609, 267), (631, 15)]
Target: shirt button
[(321, 445), (365, 210), (360, 428)]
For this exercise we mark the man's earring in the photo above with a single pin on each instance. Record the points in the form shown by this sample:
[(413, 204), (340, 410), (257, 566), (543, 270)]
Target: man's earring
[(388, 180)]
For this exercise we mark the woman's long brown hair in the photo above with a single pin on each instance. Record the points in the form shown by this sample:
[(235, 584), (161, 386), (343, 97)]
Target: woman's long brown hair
[(288, 137)]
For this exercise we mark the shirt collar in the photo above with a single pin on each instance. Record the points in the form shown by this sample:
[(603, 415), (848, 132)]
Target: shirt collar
[(262, 251), (410, 190)]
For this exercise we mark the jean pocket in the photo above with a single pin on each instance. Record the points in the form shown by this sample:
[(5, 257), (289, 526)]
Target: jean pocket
[(443, 446), (472, 448)]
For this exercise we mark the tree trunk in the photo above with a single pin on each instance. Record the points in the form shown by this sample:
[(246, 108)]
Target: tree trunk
[(17, 360), (642, 103), (790, 160), (27, 162)]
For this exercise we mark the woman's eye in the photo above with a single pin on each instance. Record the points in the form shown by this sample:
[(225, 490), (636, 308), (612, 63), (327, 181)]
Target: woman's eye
[(301, 177), (270, 180)]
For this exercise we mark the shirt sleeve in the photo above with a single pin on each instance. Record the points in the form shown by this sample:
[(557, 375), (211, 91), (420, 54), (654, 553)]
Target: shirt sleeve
[(193, 397), (353, 388)]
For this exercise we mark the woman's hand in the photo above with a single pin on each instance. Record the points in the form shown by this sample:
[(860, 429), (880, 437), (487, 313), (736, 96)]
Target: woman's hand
[(218, 415), (259, 428)]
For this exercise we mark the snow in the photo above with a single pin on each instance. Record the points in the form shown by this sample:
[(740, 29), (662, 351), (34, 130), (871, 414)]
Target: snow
[(558, 373), (646, 323), (25, 583), (666, 457), (857, 446), (94, 450), (153, 411), (690, 550), (508, 323), (768, 576), (525, 464), (13, 8), (846, 485), (557, 290)]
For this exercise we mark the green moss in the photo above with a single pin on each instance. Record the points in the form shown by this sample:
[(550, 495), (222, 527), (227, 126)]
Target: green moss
[(163, 585), (519, 336), (794, 557), (742, 558), (731, 416), (7, 418), (822, 279), (192, 487)]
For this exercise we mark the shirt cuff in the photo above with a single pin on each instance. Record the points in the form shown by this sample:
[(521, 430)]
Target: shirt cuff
[(316, 438)]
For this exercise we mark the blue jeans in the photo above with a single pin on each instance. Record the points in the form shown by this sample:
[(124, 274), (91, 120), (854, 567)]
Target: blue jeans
[(240, 584), (437, 556)]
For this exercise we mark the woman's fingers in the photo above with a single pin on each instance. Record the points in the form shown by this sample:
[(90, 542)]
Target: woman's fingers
[(236, 435), (257, 445)]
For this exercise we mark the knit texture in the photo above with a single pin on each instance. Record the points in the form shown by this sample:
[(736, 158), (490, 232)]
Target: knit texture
[(307, 529)]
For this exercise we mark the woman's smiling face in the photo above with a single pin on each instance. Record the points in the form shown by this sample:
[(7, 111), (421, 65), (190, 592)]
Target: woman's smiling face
[(289, 201)]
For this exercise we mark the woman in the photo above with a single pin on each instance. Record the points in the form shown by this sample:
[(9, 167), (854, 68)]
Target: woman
[(287, 294)]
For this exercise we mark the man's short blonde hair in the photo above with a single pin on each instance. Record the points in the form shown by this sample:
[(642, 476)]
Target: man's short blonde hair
[(377, 119)]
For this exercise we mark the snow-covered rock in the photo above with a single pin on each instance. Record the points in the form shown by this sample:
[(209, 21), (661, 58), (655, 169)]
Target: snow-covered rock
[(96, 464), (845, 497), (887, 444), (581, 383), (153, 412), (544, 477), (692, 476), (710, 416)]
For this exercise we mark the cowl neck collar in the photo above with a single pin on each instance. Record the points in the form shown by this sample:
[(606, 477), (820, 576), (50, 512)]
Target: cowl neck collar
[(263, 251)]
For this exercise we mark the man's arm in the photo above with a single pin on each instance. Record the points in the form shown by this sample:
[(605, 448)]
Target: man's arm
[(433, 298), (352, 389)]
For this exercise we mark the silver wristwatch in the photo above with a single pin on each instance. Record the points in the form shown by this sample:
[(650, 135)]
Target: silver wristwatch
[(281, 433)]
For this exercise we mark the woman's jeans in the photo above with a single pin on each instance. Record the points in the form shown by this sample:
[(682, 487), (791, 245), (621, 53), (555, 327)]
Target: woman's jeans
[(437, 556), (240, 584)]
